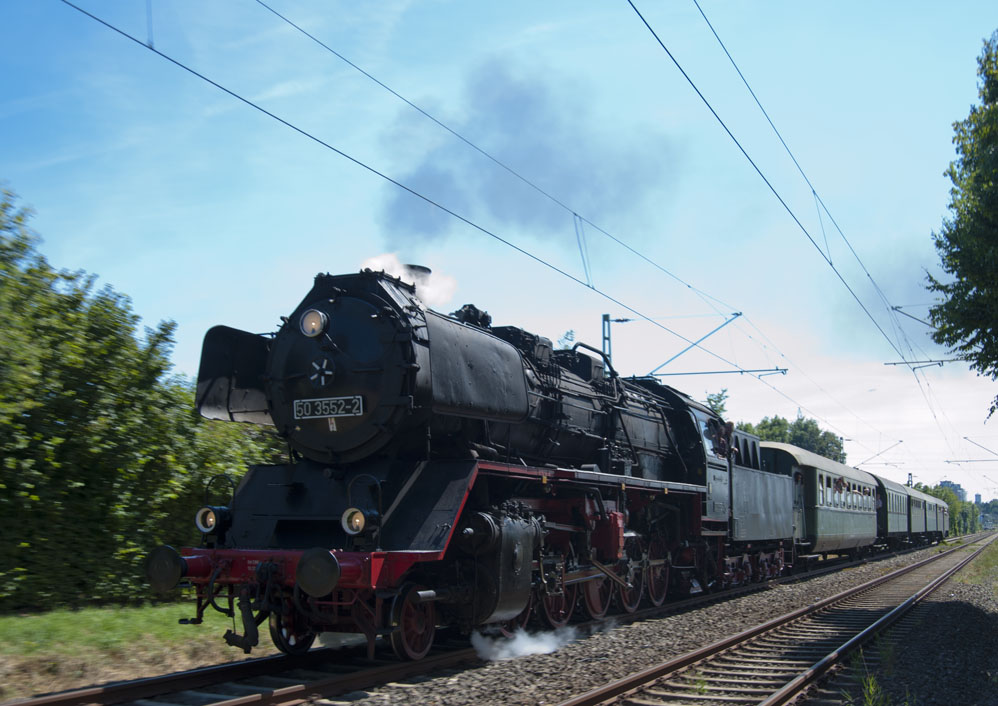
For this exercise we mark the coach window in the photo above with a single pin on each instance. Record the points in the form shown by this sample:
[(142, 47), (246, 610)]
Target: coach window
[(821, 489)]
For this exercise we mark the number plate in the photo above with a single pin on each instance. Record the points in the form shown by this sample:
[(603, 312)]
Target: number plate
[(329, 407)]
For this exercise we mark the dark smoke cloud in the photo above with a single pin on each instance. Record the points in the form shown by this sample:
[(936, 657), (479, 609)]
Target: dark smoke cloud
[(546, 131)]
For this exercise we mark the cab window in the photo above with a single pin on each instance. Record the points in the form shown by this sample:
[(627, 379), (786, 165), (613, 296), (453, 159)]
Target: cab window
[(710, 431)]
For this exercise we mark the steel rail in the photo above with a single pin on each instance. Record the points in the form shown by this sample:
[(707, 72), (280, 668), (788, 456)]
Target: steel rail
[(799, 683), (330, 686), (610, 691), (149, 687), (162, 686)]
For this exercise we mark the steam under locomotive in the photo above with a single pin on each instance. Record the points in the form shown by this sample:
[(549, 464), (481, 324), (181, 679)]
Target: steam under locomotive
[(444, 471)]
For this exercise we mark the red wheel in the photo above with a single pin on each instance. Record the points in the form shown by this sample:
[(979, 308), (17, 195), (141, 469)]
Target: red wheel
[(628, 599), (596, 594), (508, 628), (657, 572), (556, 610), (415, 624)]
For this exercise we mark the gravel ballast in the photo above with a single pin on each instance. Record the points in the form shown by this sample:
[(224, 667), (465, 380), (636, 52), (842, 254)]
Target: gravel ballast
[(616, 651), (942, 653)]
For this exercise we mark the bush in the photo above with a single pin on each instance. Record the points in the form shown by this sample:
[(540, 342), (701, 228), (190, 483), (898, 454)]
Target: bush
[(101, 454)]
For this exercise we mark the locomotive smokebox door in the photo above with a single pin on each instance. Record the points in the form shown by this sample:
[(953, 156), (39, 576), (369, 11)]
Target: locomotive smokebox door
[(230, 378)]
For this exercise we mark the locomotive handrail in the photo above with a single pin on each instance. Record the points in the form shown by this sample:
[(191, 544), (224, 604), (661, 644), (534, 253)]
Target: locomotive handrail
[(601, 354), (208, 484)]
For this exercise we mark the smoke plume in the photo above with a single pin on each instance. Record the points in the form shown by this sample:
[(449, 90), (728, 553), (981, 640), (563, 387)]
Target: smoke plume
[(433, 289), (544, 129)]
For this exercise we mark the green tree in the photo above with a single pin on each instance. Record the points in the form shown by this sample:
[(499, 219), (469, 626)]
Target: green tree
[(101, 453), (769, 429), (802, 432), (717, 402), (966, 319), (964, 517)]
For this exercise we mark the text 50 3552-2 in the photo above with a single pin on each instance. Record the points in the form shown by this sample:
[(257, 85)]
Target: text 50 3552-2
[(329, 407)]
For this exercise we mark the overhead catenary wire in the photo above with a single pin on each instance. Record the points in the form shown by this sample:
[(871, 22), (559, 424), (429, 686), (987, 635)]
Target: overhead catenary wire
[(764, 178), (902, 339), (498, 162), (404, 187), (892, 311), (429, 201), (817, 198), (578, 220)]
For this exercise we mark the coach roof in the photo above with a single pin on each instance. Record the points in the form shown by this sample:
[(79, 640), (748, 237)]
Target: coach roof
[(806, 458)]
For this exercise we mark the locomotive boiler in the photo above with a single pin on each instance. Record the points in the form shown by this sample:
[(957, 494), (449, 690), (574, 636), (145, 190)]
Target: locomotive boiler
[(444, 471)]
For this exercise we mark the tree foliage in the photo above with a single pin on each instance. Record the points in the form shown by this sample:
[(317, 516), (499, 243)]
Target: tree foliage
[(717, 401), (802, 432), (966, 319), (101, 454), (964, 516), (566, 340)]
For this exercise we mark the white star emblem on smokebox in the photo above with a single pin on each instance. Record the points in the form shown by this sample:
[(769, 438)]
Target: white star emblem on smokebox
[(322, 372)]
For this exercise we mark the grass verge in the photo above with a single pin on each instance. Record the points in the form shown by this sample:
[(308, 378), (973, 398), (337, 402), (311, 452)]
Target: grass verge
[(983, 569), (67, 649)]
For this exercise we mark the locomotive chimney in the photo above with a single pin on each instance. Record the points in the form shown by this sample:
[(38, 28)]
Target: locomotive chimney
[(417, 271)]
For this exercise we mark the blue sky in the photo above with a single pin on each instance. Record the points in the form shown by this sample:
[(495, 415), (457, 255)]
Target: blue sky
[(207, 211)]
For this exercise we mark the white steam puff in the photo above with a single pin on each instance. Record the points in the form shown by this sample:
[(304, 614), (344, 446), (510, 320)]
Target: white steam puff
[(522, 643), (337, 640), (433, 289)]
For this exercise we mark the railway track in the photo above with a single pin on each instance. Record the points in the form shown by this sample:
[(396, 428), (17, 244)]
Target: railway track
[(263, 682), (329, 672), (774, 662)]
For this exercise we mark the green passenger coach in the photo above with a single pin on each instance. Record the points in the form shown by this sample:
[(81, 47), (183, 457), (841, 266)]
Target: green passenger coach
[(837, 503)]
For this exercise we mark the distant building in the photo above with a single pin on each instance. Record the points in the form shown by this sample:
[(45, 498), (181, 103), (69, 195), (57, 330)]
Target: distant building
[(961, 494), (977, 498)]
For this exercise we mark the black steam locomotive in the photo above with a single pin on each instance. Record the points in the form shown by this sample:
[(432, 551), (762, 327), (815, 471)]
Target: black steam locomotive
[(444, 471)]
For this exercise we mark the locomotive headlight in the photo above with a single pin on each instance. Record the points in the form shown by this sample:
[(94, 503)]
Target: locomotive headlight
[(354, 521), (313, 322), (211, 519)]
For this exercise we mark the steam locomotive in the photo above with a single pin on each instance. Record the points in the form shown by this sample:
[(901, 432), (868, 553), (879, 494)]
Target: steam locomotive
[(447, 472)]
